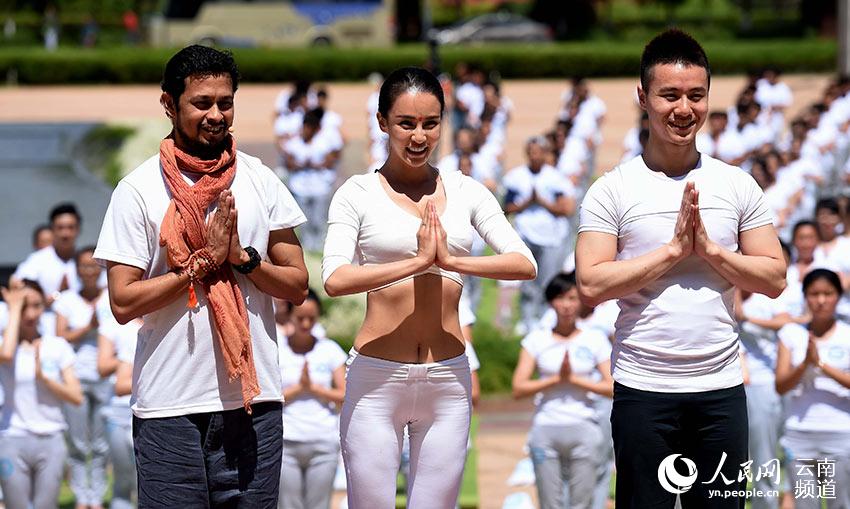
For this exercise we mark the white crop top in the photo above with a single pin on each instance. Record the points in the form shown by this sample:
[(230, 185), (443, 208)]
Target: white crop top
[(364, 222)]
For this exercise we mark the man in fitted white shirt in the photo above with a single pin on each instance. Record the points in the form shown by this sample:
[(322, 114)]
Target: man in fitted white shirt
[(53, 267), (203, 436), (541, 199), (669, 234), (310, 159)]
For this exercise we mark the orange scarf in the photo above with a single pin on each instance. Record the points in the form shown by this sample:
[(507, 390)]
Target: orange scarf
[(183, 231)]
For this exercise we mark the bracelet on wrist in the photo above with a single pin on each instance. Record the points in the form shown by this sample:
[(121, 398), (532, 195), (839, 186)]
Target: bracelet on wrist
[(203, 260)]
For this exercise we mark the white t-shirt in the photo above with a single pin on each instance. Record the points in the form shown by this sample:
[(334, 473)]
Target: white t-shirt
[(78, 313), (305, 417), (727, 147), (837, 259), (574, 156), (474, 363), (123, 339), (483, 166), (566, 403), (472, 96), (289, 123), (45, 267), (536, 224), (315, 180), (677, 334), (375, 132), (30, 407), (818, 402), (178, 368), (759, 343), (592, 107), (364, 223)]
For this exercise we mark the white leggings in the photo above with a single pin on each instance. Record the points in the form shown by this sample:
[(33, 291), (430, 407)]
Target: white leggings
[(381, 397)]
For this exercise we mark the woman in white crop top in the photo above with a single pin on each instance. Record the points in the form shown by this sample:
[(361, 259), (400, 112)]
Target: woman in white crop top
[(403, 234), (813, 365)]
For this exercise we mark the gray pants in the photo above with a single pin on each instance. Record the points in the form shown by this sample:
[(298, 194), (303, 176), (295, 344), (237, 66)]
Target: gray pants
[(550, 259), (764, 409), (605, 453), (307, 474), (566, 453), (88, 448), (31, 470), (120, 438), (312, 233), (808, 449)]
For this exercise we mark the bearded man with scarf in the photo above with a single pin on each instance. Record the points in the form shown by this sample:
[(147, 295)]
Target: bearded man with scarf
[(207, 426)]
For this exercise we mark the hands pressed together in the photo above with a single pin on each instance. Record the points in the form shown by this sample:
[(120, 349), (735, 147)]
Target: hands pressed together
[(690, 235), (433, 242), (812, 355), (222, 232)]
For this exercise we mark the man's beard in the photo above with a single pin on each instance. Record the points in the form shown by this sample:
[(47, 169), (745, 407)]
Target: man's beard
[(200, 149)]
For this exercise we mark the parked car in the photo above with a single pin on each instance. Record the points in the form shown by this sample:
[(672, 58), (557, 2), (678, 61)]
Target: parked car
[(495, 27)]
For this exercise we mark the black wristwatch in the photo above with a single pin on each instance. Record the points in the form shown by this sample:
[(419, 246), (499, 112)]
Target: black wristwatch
[(251, 264)]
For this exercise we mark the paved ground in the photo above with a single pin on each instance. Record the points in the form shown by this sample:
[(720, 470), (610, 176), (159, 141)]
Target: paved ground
[(503, 426)]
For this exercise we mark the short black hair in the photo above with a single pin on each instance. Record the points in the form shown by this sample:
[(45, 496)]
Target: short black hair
[(829, 204), (672, 46), (197, 61), (803, 224), (718, 114), (313, 118), (559, 285), (65, 208), (825, 274), (405, 79)]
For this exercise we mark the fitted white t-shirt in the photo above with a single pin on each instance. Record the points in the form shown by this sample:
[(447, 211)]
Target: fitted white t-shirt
[(678, 333), (365, 224), (315, 179), (536, 224), (78, 313), (30, 407), (178, 369), (307, 418), (45, 267), (566, 403), (818, 402)]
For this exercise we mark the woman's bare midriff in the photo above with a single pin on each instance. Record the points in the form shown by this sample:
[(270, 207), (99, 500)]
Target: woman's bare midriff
[(414, 321)]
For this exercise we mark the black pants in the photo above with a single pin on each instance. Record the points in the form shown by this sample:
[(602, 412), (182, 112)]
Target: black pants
[(224, 459), (700, 426)]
